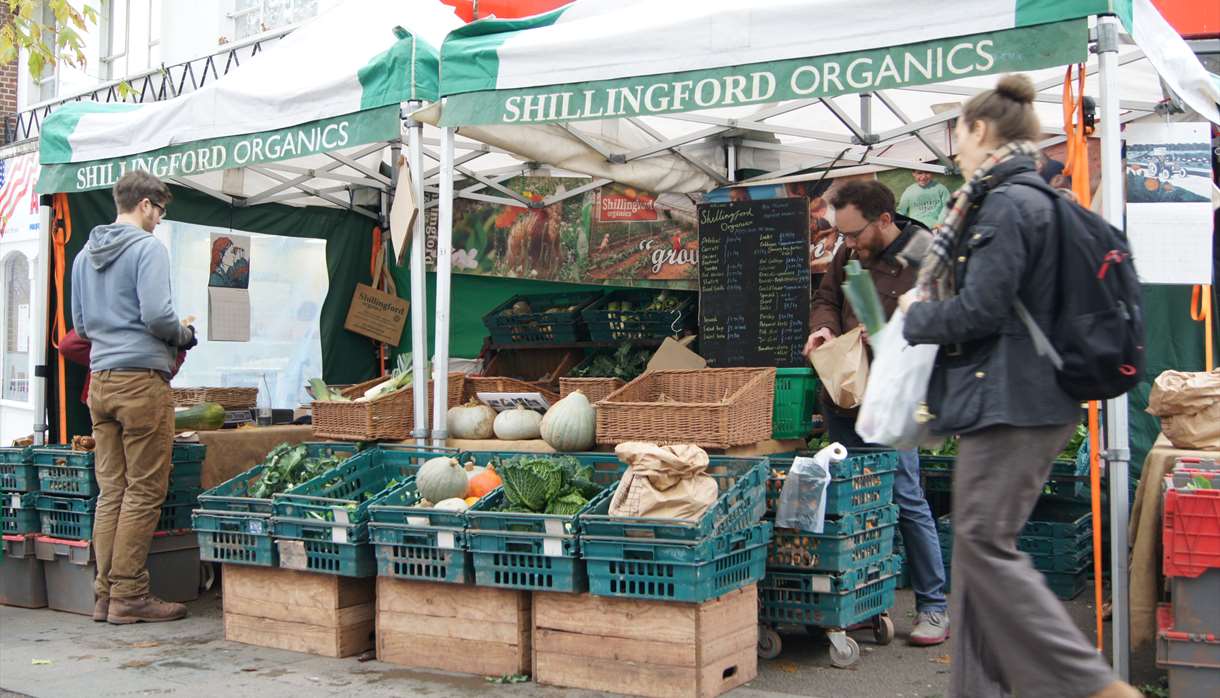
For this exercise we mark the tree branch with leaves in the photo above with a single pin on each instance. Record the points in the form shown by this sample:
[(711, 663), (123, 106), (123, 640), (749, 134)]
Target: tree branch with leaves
[(61, 41)]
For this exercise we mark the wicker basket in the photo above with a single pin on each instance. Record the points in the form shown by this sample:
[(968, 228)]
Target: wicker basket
[(594, 388), (390, 417), (495, 384), (541, 367), (712, 407), (228, 398)]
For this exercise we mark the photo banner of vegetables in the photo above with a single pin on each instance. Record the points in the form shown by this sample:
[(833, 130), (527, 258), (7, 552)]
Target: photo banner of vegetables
[(615, 235)]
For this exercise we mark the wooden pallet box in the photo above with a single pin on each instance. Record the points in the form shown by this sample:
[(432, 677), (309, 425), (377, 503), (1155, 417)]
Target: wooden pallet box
[(646, 648), (321, 614), (453, 627)]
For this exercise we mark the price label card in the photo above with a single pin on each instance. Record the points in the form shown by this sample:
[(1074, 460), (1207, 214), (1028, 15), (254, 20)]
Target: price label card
[(340, 514), (418, 520), (256, 527), (555, 527), (338, 534), (552, 547), (292, 554), (15, 502), (444, 539)]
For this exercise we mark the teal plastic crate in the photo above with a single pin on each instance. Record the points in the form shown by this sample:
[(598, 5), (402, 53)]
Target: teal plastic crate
[(1050, 519), (796, 399), (227, 538), (397, 506), (70, 518), (606, 325), (18, 513), (188, 453), (18, 473), (863, 480), (530, 570), (538, 326), (799, 550), (233, 495), (187, 475), (175, 518), (343, 559), (742, 483), (859, 522), (65, 473), (665, 571), (786, 599), (433, 555), (341, 496), (1068, 585)]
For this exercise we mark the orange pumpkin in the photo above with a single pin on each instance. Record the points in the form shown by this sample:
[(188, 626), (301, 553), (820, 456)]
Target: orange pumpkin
[(483, 483)]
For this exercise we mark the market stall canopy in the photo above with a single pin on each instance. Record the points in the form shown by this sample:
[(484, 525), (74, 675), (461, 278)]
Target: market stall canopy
[(545, 87), (314, 111)]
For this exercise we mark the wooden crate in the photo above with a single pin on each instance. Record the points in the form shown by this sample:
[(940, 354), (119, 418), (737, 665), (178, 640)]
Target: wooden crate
[(453, 627), (646, 648), (322, 614)]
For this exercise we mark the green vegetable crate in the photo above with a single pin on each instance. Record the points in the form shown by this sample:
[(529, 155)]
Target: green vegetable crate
[(547, 317), (414, 542), (1064, 585), (628, 314), (234, 526), (845, 544), (18, 514), (864, 480), (800, 599), (65, 473), (532, 551), (742, 483), (69, 518), (685, 571), (18, 473), (322, 525), (796, 399)]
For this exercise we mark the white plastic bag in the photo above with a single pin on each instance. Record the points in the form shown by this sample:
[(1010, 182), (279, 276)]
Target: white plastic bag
[(802, 501), (897, 389)]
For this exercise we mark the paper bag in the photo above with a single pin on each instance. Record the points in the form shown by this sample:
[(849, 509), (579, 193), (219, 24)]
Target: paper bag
[(665, 482), (1197, 430), (842, 366), (1182, 392)]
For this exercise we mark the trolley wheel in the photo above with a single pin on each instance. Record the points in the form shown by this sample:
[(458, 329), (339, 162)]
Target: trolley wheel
[(883, 630), (769, 642), (843, 659)]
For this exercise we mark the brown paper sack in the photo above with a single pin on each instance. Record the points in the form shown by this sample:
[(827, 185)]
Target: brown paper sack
[(1198, 430), (1183, 392), (665, 482), (842, 366)]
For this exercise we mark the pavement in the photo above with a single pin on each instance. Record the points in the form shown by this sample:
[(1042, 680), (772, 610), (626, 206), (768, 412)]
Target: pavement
[(49, 654)]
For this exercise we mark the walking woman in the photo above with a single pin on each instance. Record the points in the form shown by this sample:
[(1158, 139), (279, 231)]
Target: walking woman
[(995, 246)]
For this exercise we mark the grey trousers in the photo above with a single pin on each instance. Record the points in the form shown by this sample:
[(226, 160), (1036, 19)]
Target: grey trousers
[(1011, 635)]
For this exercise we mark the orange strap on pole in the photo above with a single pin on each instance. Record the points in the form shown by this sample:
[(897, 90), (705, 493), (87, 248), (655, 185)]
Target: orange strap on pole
[(1077, 167), (1201, 311), (61, 232), (376, 267)]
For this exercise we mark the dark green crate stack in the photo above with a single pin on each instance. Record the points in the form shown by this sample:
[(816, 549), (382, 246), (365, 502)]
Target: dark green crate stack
[(322, 525), (685, 561), (638, 314), (185, 486), (536, 318), (18, 492), (1058, 538), (67, 492), (234, 527), (844, 576)]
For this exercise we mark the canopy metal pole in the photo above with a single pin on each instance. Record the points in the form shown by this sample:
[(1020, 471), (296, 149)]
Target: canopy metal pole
[(444, 254), (1117, 452), (419, 294), (40, 314)]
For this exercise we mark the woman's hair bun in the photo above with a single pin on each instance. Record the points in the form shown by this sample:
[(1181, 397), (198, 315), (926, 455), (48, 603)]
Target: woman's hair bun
[(1017, 87)]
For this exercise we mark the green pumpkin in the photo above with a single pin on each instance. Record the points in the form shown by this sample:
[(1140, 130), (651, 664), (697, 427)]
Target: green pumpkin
[(440, 479), (570, 424)]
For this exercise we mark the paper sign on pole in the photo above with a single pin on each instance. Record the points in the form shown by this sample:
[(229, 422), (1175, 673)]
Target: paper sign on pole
[(403, 212)]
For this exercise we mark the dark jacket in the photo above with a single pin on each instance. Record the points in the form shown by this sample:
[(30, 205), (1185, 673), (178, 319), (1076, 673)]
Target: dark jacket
[(893, 272), (987, 372), (76, 349)]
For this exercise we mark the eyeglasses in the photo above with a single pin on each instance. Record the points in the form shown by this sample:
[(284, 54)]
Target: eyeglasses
[(157, 206), (856, 233)]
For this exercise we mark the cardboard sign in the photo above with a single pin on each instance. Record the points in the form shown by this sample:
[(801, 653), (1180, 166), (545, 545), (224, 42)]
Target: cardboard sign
[(377, 315), (510, 401)]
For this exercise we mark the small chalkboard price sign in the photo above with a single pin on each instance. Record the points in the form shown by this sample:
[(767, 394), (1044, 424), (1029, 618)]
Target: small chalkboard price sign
[(754, 282)]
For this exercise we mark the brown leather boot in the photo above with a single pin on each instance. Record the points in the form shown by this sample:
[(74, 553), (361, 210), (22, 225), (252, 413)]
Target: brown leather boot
[(146, 609), (1118, 689), (101, 609)]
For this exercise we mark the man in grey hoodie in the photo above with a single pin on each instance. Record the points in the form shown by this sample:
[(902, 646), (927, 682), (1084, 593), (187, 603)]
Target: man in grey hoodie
[(122, 304)]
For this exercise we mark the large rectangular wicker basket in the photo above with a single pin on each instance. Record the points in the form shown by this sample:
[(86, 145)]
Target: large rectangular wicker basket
[(387, 417), (711, 407), (228, 398), (594, 388)]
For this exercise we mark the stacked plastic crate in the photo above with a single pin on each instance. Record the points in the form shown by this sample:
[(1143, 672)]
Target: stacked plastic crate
[(68, 492), (1058, 537), (1188, 631), (844, 577), (185, 486)]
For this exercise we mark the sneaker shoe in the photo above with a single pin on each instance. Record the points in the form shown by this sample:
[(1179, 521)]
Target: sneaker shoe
[(101, 609), (146, 609), (931, 628)]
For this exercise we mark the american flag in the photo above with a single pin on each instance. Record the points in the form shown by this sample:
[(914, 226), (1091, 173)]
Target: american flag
[(17, 179)]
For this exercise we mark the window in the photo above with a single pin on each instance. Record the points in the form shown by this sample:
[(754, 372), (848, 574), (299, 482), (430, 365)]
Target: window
[(288, 283), (253, 17), (16, 361), (46, 86)]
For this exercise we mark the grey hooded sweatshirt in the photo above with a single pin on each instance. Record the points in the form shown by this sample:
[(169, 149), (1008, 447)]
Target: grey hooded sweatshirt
[(122, 302)]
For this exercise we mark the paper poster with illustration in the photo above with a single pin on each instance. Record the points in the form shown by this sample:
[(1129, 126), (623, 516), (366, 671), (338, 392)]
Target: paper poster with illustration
[(230, 261), (1169, 211)]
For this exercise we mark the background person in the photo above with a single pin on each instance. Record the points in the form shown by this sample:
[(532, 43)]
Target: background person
[(925, 199)]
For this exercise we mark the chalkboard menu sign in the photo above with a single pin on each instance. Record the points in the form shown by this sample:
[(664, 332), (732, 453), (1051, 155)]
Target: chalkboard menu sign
[(754, 283)]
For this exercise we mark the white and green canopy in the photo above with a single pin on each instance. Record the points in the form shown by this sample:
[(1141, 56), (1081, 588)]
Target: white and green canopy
[(320, 101)]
